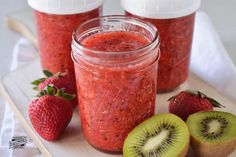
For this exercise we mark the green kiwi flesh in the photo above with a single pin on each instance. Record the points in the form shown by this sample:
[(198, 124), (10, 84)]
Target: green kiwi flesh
[(213, 134), (163, 135)]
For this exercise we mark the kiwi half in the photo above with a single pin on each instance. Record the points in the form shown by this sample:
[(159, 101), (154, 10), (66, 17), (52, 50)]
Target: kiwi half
[(213, 134), (163, 135)]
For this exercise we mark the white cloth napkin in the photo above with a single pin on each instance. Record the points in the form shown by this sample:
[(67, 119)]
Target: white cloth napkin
[(23, 53), (209, 60)]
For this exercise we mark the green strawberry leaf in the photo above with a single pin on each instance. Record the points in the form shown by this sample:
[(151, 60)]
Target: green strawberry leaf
[(69, 96), (42, 93), (172, 98), (215, 103), (61, 93), (54, 91), (47, 73), (35, 88), (202, 96), (38, 81), (50, 89)]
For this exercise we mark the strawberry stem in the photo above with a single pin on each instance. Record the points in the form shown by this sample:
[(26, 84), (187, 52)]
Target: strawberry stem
[(213, 101), (171, 98), (50, 89), (47, 74), (54, 91)]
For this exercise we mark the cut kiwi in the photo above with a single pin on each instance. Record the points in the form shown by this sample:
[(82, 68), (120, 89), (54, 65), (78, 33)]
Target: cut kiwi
[(163, 135), (213, 134)]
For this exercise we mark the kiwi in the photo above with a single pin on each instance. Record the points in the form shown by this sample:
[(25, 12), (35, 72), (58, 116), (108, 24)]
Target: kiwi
[(213, 134), (163, 135)]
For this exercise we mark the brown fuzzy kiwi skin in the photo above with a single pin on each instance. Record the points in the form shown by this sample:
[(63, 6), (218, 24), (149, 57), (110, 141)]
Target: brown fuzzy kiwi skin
[(204, 149), (185, 151)]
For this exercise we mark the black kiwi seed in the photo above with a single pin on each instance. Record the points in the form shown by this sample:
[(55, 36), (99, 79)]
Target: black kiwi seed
[(205, 127), (143, 141), (220, 136), (161, 147)]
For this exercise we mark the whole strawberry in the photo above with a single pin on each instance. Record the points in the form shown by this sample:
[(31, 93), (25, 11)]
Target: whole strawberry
[(188, 102), (59, 80), (50, 113)]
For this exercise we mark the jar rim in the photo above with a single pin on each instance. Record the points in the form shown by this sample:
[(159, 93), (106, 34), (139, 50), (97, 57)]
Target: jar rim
[(77, 44)]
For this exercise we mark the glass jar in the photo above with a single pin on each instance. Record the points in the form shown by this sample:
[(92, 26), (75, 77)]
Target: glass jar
[(55, 23), (174, 20), (116, 80)]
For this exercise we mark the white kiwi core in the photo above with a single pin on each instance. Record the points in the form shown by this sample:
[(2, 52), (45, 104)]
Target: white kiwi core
[(155, 141), (214, 126)]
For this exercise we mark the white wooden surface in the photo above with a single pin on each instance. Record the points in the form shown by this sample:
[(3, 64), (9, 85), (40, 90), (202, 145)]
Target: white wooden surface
[(16, 88)]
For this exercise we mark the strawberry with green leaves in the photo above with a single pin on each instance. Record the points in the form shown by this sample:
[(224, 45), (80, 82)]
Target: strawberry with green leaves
[(188, 102), (59, 80), (51, 112)]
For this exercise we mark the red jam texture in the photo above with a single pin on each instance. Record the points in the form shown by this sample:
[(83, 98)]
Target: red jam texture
[(115, 42), (54, 38), (176, 43), (113, 100)]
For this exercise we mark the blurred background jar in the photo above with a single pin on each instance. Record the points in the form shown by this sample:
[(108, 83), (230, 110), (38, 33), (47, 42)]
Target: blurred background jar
[(55, 22), (174, 20)]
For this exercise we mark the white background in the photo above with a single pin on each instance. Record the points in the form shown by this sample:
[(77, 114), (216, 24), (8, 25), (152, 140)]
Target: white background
[(221, 12)]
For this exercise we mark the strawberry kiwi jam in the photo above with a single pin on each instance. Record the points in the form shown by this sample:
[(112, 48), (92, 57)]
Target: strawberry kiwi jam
[(116, 80), (54, 38), (115, 41), (176, 41)]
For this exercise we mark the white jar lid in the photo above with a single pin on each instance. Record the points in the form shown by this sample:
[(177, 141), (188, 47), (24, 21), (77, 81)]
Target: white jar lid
[(161, 9), (62, 7)]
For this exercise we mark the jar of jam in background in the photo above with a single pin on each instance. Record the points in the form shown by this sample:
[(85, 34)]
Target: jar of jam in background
[(55, 23), (116, 60), (174, 20)]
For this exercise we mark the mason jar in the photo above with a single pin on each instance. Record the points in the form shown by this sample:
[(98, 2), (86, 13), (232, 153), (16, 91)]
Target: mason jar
[(174, 20), (115, 59), (55, 23)]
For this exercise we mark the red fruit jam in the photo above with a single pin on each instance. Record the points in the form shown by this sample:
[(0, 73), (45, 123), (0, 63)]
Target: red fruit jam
[(115, 42), (116, 83), (54, 38), (176, 41)]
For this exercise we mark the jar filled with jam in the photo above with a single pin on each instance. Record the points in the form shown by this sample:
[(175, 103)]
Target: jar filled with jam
[(174, 20), (55, 23), (116, 60)]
